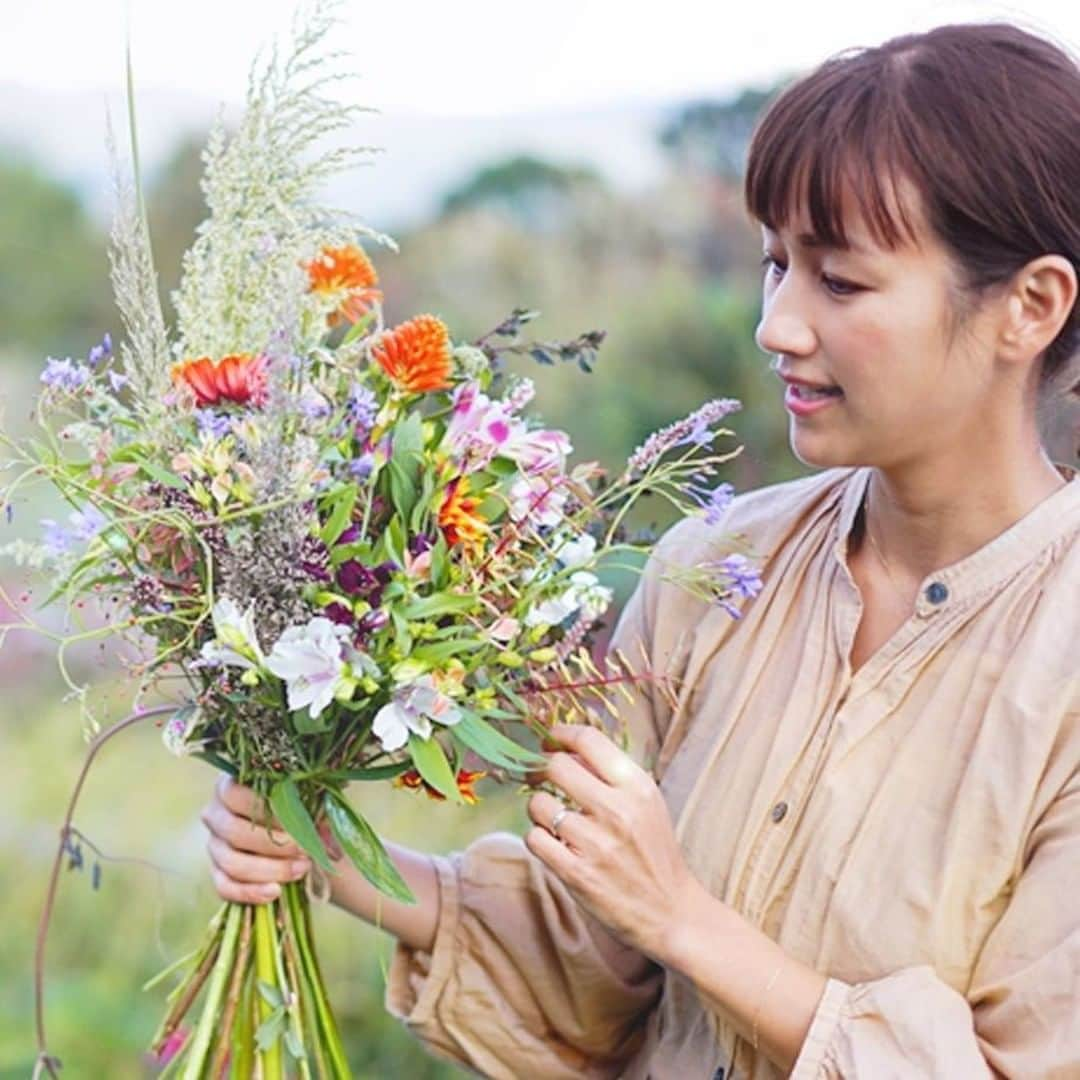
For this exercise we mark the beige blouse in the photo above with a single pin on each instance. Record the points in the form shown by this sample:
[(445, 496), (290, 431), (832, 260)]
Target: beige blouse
[(912, 830)]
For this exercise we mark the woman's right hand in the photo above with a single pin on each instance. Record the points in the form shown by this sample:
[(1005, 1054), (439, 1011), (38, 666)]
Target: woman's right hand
[(249, 863)]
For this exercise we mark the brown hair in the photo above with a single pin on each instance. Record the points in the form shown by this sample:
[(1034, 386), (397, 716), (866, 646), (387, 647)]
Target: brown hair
[(984, 119)]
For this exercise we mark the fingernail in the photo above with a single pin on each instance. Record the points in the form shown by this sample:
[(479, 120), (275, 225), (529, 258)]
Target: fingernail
[(299, 868)]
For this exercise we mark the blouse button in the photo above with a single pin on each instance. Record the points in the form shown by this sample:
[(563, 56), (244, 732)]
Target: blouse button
[(779, 811), (936, 593)]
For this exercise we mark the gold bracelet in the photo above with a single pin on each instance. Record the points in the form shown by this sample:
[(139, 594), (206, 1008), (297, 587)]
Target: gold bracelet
[(761, 1002)]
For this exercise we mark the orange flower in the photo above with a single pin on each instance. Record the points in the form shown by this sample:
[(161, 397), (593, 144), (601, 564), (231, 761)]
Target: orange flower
[(345, 272), (458, 519), (240, 378), (466, 782), (416, 354)]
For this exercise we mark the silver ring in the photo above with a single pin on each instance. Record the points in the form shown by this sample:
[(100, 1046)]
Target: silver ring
[(557, 820)]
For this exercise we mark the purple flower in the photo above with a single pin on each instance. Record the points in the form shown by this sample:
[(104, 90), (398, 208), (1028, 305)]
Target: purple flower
[(117, 381), (361, 467), (420, 543), (366, 582), (362, 407), (210, 424), (86, 524), (737, 577), (100, 353), (714, 501), (56, 538), (65, 374), (9, 512)]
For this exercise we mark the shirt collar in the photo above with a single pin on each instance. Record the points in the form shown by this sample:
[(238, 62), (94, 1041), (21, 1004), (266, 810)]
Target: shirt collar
[(1052, 520)]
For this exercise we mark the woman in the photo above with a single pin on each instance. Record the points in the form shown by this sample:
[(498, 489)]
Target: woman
[(860, 854)]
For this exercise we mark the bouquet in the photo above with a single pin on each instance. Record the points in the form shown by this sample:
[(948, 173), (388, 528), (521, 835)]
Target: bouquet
[(344, 550)]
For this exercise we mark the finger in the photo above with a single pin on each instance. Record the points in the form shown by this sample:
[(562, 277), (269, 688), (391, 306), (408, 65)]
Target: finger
[(552, 853), (240, 799), (575, 828), (245, 835), (240, 893), (251, 869), (599, 753), (581, 784)]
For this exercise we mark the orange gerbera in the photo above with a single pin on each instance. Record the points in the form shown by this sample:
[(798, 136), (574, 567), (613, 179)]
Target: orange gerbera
[(416, 354), (240, 378), (345, 272), (466, 782), (458, 517)]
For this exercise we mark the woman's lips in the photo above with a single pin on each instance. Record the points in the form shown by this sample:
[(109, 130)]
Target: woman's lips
[(803, 400)]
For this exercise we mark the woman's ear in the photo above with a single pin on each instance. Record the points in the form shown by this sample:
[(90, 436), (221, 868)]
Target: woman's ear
[(1037, 304)]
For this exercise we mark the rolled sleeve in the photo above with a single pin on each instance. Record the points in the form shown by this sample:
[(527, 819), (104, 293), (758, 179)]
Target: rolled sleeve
[(515, 984)]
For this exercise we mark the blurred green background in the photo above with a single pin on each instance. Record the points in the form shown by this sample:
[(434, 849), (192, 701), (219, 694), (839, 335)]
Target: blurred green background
[(671, 273)]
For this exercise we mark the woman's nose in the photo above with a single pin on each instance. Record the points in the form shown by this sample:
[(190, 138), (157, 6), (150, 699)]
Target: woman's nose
[(782, 329)]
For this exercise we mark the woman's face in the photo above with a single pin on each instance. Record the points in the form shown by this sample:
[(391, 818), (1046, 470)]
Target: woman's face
[(865, 339)]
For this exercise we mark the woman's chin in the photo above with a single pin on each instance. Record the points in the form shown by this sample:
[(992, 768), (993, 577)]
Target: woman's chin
[(822, 451)]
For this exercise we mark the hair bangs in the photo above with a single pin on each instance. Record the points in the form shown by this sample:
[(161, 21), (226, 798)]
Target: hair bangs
[(833, 152)]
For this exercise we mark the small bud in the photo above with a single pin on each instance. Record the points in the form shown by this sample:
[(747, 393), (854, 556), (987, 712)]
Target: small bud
[(509, 658)]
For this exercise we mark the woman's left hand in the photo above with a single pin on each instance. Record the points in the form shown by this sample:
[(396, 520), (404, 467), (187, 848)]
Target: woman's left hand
[(617, 851)]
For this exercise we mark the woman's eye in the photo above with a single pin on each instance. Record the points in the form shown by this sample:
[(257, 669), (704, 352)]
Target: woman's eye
[(773, 266), (839, 287)]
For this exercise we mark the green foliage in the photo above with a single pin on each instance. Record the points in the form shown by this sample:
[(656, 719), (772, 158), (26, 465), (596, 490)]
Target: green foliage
[(522, 185), (54, 288)]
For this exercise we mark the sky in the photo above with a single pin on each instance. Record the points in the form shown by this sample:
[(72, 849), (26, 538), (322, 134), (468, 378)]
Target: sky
[(478, 57)]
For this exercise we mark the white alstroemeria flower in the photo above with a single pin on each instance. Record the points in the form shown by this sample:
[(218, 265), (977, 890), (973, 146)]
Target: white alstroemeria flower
[(577, 551), (584, 594), (310, 660), (593, 597), (235, 642), (414, 706), (554, 610)]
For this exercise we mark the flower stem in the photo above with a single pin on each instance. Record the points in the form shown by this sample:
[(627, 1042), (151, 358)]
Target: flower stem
[(236, 984), (223, 967), (271, 1065), (331, 1038)]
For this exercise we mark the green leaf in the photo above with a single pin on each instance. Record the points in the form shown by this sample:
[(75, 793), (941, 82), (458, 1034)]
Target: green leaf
[(423, 503), (362, 844), (269, 1031), (439, 652), (357, 329), (477, 735), (403, 639), (269, 993), (306, 724), (340, 515), (289, 809), (491, 508), (406, 459), (440, 564), (429, 607), (431, 763), (375, 772), (162, 476), (218, 762)]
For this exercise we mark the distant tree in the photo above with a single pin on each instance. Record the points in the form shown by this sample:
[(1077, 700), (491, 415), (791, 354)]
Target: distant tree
[(54, 287), (536, 193), (713, 136)]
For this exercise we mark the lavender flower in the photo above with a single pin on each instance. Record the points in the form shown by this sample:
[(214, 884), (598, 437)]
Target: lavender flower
[(362, 407), (736, 576), (211, 424), (714, 501), (117, 381), (65, 374), (691, 428), (9, 513), (360, 468), (82, 525), (100, 353)]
